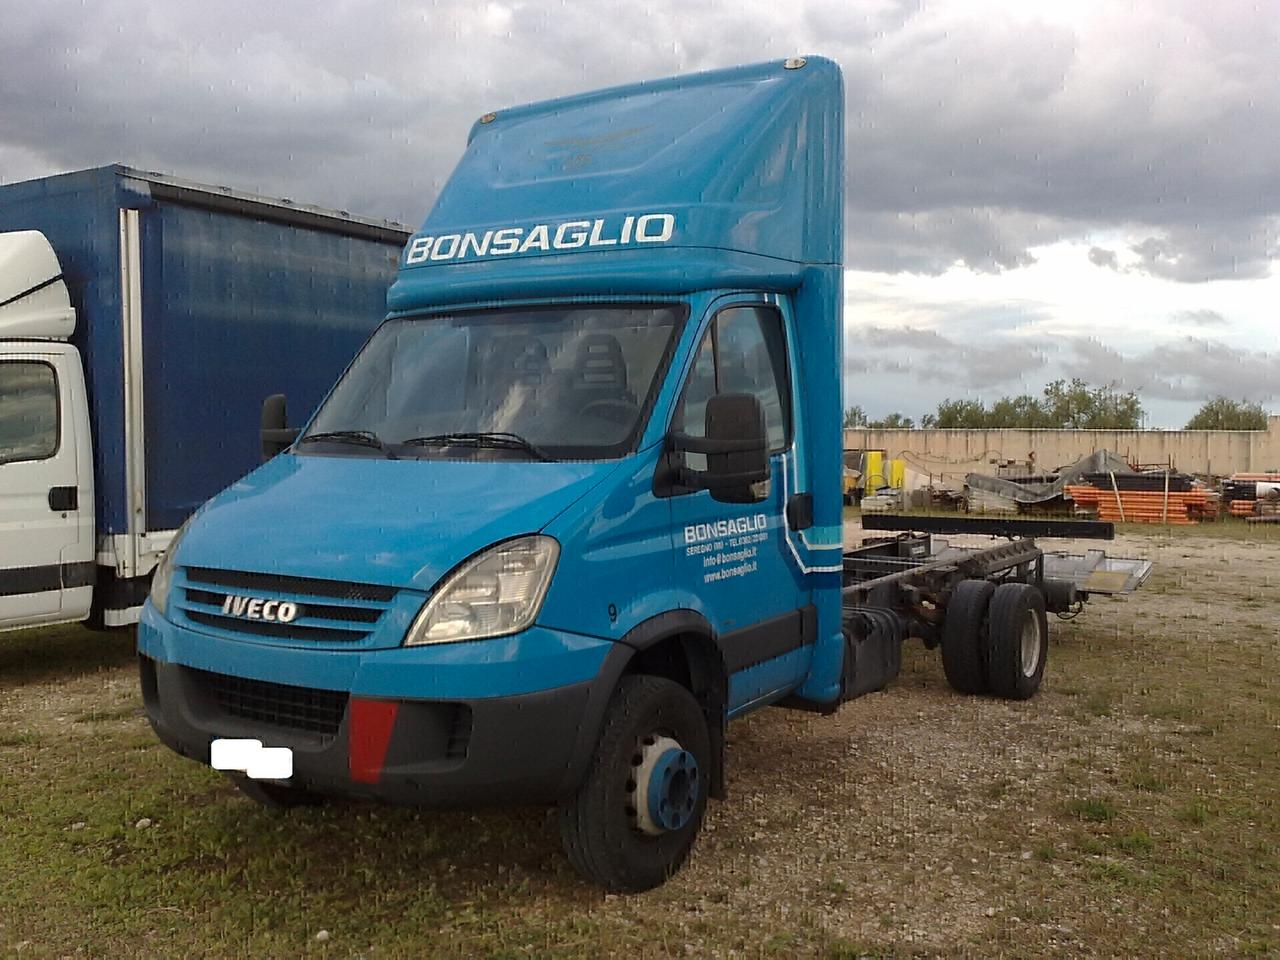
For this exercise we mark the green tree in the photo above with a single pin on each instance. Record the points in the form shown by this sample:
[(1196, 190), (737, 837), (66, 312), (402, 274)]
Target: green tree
[(1077, 405), (855, 417), (894, 421), (1063, 404), (1020, 411), (960, 415), (1221, 413)]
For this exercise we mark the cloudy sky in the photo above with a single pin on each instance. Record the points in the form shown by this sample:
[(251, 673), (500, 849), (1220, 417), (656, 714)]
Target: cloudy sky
[(1034, 189)]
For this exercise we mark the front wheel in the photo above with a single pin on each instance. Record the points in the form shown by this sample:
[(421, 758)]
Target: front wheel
[(634, 819)]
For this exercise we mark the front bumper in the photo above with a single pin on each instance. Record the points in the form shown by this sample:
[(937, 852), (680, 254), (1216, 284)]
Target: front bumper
[(404, 725)]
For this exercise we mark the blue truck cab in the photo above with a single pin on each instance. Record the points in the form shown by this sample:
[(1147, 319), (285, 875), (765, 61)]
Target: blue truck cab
[(577, 502)]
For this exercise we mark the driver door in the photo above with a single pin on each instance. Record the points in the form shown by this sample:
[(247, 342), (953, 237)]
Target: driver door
[(735, 556)]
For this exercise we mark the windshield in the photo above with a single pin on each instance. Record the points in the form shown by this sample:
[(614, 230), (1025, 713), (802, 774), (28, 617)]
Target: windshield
[(563, 382)]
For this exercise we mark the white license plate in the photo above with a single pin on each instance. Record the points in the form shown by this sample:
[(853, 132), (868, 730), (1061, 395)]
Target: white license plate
[(251, 758)]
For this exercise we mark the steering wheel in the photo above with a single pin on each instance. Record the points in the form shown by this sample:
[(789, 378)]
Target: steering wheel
[(623, 411)]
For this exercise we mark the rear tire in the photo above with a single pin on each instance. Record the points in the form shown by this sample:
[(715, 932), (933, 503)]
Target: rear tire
[(606, 838), (964, 639), (276, 796), (1018, 641)]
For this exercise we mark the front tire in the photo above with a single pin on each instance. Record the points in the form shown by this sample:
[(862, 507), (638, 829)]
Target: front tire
[(1018, 636), (633, 820)]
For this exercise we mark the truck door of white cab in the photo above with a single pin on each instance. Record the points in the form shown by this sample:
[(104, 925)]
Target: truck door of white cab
[(46, 486)]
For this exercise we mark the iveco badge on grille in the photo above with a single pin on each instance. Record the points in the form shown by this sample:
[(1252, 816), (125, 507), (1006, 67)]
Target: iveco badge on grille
[(257, 608)]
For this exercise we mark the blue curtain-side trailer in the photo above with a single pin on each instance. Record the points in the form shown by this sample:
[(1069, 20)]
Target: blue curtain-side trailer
[(142, 320)]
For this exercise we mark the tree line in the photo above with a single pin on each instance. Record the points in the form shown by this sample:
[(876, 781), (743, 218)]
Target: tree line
[(1063, 405)]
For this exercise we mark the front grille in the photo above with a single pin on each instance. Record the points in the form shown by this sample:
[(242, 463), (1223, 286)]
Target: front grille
[(324, 611), (291, 708)]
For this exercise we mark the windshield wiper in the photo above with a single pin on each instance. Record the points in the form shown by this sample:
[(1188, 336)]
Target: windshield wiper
[(364, 438), (498, 440)]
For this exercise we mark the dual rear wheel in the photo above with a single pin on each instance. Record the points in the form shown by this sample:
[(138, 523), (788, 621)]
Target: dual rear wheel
[(995, 639)]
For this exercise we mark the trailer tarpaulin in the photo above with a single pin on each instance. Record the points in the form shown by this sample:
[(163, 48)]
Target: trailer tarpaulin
[(1100, 461)]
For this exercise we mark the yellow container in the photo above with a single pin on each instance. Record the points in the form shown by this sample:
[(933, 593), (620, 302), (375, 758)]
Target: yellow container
[(897, 474), (875, 477)]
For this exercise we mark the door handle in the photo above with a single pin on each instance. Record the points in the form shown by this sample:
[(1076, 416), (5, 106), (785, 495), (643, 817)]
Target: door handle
[(64, 499)]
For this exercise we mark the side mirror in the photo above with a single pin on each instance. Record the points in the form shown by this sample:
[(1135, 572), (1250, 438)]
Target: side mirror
[(736, 447), (274, 434)]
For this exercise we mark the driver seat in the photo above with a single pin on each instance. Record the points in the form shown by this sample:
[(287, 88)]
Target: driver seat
[(599, 370)]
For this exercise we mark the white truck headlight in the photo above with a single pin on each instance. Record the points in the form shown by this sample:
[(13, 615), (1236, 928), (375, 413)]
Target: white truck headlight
[(497, 592), (162, 579)]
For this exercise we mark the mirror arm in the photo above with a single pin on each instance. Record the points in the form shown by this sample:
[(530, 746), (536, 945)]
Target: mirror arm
[(274, 433), (687, 444), (285, 435)]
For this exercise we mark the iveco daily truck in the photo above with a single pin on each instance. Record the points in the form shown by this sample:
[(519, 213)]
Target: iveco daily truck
[(576, 504), (142, 320)]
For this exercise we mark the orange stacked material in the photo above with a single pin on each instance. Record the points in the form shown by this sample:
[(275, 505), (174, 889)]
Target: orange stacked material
[(1141, 506), (1247, 493)]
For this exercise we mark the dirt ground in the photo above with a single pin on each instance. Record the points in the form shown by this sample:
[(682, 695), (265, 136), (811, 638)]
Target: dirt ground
[(1132, 808)]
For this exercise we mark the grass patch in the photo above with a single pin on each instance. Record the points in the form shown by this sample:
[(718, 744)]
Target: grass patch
[(1193, 814), (1129, 810), (1098, 704), (1091, 846), (1091, 809), (1112, 874), (1144, 781), (62, 652), (1136, 843), (127, 712)]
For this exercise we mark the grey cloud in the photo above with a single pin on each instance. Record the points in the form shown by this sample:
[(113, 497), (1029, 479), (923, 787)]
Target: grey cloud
[(1190, 369), (1092, 361), (972, 138), (1049, 126), (1199, 369), (905, 337), (970, 362), (1201, 318), (1242, 250), (932, 241), (1101, 257)]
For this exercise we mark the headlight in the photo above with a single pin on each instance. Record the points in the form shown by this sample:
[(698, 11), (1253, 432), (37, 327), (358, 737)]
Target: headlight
[(162, 579), (497, 592)]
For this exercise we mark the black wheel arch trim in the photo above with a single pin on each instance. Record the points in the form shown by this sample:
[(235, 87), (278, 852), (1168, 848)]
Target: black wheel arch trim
[(645, 636)]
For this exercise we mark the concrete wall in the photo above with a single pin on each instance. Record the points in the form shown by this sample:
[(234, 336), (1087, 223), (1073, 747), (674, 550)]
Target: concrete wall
[(949, 454)]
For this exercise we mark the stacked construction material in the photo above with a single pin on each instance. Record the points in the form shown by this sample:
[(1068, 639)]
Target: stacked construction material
[(1151, 482), (1248, 494), (1266, 511), (1241, 508), (1142, 497)]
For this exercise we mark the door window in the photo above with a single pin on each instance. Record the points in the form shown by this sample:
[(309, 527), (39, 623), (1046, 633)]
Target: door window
[(743, 351), (28, 411)]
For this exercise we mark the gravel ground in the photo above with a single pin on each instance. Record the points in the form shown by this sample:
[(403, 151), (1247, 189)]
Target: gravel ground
[(1131, 808)]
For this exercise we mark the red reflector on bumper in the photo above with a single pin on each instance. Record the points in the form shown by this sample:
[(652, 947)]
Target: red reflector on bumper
[(368, 734)]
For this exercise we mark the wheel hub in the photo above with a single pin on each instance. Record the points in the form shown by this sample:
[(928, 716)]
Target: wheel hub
[(664, 787), (1030, 644)]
